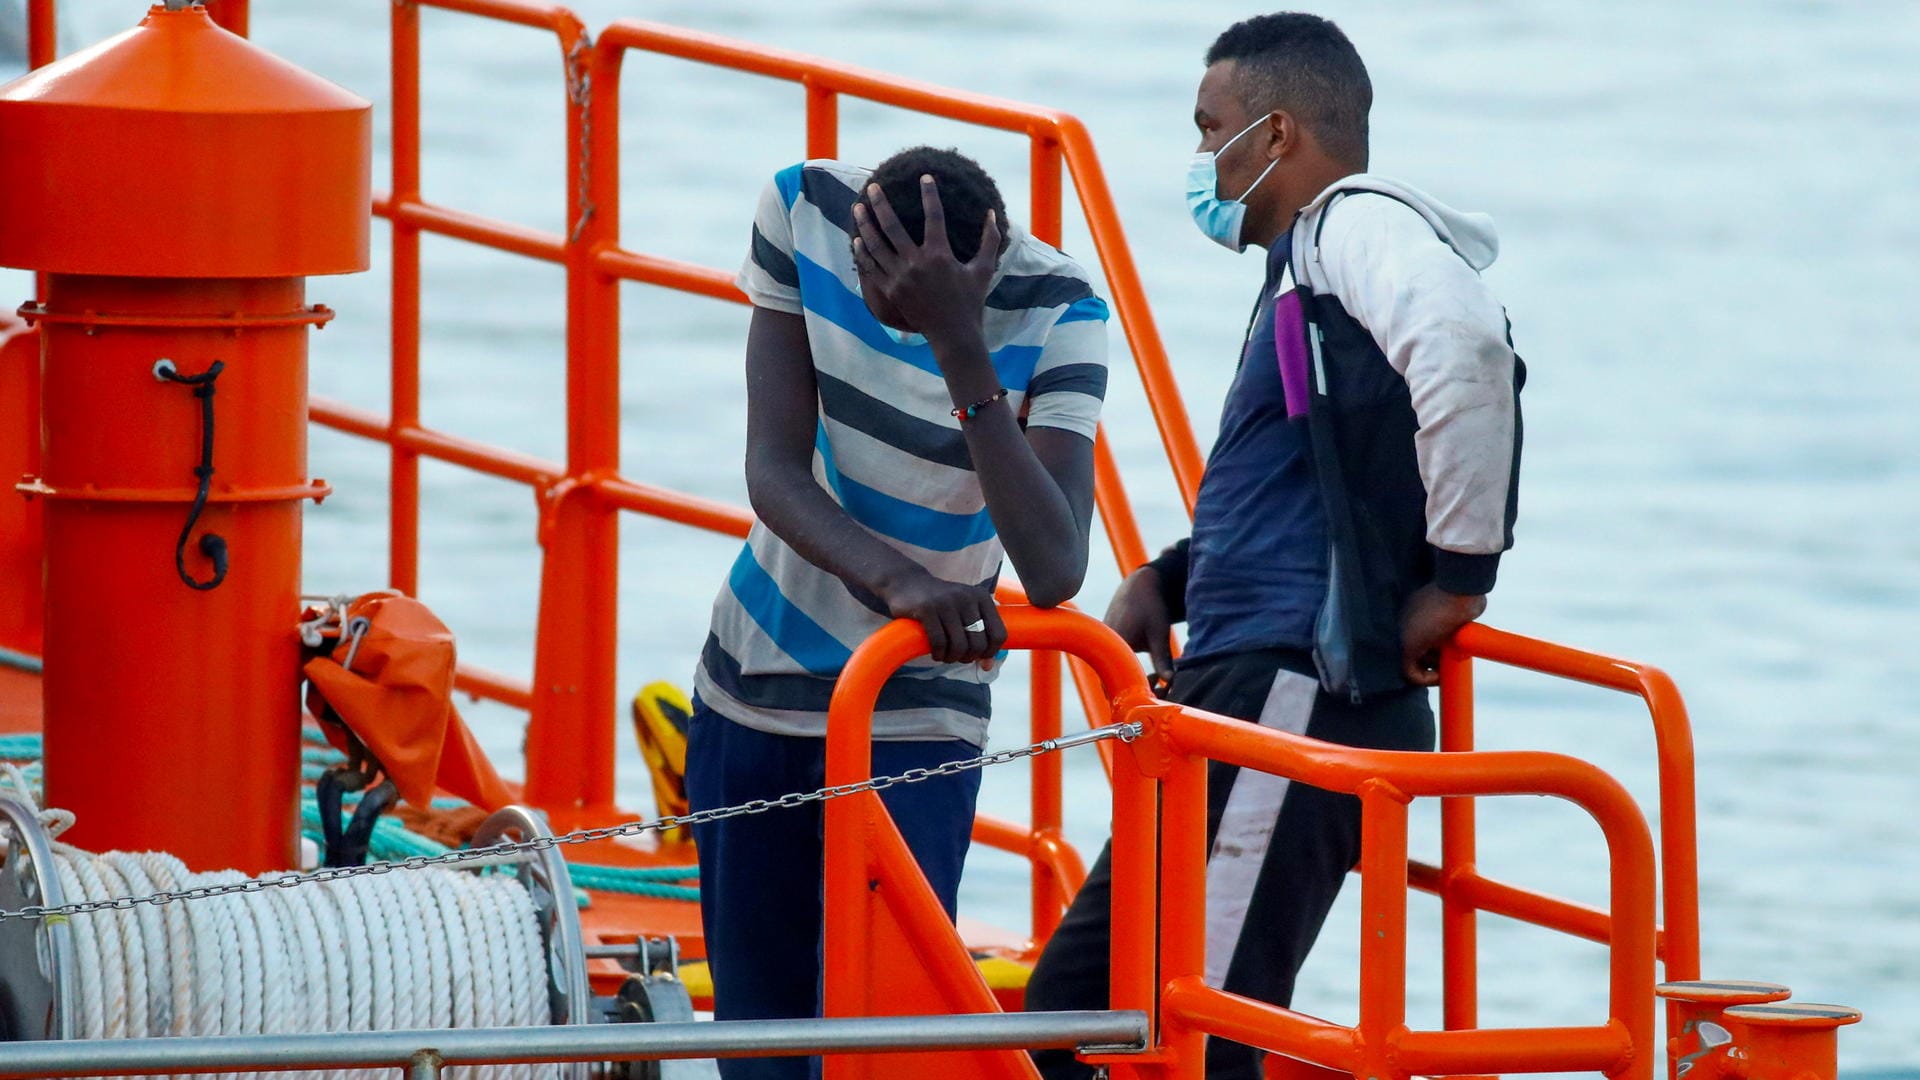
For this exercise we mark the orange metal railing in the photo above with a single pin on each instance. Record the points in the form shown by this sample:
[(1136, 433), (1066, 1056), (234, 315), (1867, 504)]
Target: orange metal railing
[(875, 894), (1464, 891)]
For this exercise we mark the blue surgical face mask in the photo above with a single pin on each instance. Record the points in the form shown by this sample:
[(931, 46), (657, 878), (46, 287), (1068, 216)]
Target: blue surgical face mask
[(1221, 219)]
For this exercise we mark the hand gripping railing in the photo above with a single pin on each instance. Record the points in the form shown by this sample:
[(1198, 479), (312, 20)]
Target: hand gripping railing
[(1159, 882)]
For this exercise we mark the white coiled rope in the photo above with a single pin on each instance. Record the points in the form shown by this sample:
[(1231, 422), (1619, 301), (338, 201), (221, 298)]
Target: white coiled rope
[(427, 948)]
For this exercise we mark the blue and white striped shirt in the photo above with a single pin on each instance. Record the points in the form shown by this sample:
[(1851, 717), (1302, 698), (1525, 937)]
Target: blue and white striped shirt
[(892, 456)]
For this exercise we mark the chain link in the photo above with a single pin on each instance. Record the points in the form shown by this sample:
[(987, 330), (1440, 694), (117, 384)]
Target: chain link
[(580, 93), (495, 852)]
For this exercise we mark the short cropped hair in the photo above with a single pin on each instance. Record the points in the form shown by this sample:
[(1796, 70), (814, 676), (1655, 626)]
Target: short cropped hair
[(1305, 65), (966, 194)]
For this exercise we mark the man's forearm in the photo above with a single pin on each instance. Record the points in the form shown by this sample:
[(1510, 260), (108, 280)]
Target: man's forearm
[(1034, 518), (801, 513)]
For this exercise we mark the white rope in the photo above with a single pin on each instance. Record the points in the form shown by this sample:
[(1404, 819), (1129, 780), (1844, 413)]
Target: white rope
[(429, 949), (432, 948), (155, 979)]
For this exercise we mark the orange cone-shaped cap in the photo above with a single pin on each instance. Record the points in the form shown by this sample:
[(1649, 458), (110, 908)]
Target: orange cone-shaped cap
[(398, 700), (178, 149)]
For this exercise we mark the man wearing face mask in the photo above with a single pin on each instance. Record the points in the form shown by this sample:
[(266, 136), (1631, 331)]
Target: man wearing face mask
[(1354, 508)]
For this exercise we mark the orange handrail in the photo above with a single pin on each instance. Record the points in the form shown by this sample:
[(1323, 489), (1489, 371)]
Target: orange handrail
[(1160, 875), (1464, 891)]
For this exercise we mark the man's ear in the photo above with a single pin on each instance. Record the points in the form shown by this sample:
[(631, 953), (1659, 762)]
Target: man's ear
[(1285, 134)]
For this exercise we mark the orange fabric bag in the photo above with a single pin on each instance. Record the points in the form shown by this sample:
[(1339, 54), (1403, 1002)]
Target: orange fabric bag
[(398, 700)]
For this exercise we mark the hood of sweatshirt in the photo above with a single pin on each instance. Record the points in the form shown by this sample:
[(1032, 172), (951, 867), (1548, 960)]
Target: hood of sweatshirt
[(1470, 234)]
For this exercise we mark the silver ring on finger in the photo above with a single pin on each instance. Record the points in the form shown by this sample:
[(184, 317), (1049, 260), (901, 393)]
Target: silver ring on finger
[(977, 626)]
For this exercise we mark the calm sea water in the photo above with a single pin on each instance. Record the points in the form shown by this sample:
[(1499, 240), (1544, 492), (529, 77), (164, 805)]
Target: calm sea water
[(1709, 224)]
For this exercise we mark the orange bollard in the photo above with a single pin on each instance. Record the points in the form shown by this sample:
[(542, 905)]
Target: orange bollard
[(177, 183), (1698, 1036), (1787, 1040)]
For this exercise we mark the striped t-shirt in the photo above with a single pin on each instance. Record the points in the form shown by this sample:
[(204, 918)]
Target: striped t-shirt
[(891, 454)]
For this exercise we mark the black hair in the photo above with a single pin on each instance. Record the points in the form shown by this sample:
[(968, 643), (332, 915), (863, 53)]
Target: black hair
[(966, 194), (1305, 65)]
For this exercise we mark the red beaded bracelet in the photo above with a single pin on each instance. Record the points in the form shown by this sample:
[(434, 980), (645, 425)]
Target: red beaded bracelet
[(968, 413)]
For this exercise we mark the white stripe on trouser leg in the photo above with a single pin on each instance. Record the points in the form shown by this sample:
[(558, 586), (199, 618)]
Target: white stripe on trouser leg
[(1246, 827)]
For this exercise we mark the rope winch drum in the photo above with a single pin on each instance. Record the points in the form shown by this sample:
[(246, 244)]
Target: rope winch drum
[(57, 975)]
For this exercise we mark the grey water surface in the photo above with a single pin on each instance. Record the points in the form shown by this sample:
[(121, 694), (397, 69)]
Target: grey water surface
[(1710, 215)]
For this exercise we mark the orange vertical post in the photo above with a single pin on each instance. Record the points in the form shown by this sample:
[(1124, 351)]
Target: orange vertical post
[(43, 47), (174, 404), (1044, 163), (823, 121), (1383, 923), (1679, 832), (403, 480), (1183, 901), (570, 738), (1049, 895), (42, 33), (1459, 927), (1135, 902)]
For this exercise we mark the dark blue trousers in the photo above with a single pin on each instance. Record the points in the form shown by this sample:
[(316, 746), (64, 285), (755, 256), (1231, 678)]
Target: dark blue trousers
[(760, 888)]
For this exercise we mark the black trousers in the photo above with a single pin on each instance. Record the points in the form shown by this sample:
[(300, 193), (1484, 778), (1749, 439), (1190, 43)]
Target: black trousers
[(1278, 851)]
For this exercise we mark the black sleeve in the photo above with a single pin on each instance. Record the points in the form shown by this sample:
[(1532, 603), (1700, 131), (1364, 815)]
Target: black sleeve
[(1172, 565)]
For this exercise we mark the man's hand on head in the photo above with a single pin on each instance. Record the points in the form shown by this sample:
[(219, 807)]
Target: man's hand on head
[(926, 283), (1431, 617)]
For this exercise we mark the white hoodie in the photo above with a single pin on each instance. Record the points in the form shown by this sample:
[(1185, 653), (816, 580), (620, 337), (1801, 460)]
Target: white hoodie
[(1407, 267)]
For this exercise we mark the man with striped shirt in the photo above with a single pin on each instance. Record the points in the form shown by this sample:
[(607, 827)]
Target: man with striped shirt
[(924, 381)]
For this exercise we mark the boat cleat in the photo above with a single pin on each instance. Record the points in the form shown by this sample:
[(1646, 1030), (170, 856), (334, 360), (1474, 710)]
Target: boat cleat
[(1749, 1031), (1696, 1014), (1786, 1040)]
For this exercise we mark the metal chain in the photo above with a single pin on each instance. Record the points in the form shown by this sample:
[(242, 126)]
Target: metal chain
[(580, 93), (495, 852)]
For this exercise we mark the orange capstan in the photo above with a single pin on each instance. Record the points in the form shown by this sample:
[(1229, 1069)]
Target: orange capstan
[(398, 700), (176, 184)]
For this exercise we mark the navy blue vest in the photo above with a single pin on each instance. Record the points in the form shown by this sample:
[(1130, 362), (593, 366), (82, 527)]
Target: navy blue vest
[(1258, 572)]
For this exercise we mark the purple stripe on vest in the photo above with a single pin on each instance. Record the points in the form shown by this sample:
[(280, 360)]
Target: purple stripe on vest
[(1290, 345)]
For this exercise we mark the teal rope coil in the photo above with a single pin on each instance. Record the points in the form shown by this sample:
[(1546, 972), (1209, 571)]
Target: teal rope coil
[(392, 840)]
